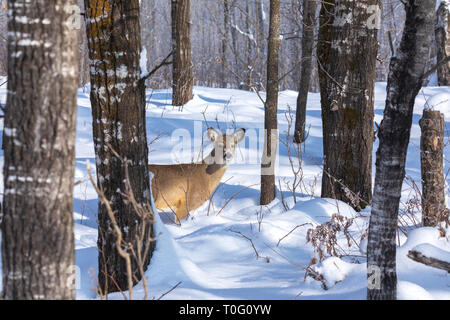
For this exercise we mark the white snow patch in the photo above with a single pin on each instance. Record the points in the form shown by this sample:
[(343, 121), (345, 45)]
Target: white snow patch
[(440, 102)]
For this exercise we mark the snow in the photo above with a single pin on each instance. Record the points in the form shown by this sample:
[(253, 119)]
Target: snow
[(143, 62), (209, 255), (440, 102), (410, 291)]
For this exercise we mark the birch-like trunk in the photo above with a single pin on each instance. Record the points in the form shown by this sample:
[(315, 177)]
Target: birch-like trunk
[(118, 116), (347, 52), (404, 82), (38, 254), (271, 106)]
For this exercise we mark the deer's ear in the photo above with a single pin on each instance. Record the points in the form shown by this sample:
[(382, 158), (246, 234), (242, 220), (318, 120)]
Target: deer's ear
[(212, 134), (239, 135)]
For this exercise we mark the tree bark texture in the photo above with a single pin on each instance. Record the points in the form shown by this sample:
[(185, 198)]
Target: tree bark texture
[(442, 33), (271, 106), (38, 254), (347, 52), (309, 22), (183, 81), (432, 167), (225, 43), (404, 82), (118, 115)]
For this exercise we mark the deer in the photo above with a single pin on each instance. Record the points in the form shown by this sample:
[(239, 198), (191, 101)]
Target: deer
[(186, 186)]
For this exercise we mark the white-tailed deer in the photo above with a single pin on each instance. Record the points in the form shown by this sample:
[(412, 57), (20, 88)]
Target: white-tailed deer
[(187, 186)]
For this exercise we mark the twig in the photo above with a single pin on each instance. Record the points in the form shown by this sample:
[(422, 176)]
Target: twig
[(163, 63), (301, 225), (234, 195), (214, 192), (167, 292), (251, 242), (110, 212)]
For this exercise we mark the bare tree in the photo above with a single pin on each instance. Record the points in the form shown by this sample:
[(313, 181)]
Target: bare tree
[(442, 33), (118, 112), (404, 82), (225, 42), (38, 255), (347, 52), (271, 106), (309, 23), (183, 80)]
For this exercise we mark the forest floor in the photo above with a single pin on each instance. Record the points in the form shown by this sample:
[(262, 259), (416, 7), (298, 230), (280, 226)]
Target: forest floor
[(232, 248)]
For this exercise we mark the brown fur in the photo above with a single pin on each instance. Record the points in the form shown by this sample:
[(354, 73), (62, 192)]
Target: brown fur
[(185, 187)]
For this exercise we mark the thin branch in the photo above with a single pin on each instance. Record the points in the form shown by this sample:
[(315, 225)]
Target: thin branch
[(301, 225), (166, 293), (116, 228), (251, 242), (164, 62), (234, 195), (435, 67)]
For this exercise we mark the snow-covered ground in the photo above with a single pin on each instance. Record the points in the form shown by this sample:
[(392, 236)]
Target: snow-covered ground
[(235, 249)]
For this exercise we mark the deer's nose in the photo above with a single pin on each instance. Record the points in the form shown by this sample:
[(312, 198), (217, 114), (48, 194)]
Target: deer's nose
[(228, 156)]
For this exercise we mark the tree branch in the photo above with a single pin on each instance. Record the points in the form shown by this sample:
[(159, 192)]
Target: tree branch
[(163, 63), (435, 67)]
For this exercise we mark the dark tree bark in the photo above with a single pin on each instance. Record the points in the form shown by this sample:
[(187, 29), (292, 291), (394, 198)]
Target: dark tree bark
[(234, 37), (404, 82), (442, 33), (225, 43), (309, 23), (271, 106), (183, 80), (347, 52), (118, 112), (38, 254), (432, 167)]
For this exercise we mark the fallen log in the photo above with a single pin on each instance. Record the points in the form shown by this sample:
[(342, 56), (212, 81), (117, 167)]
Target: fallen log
[(431, 256)]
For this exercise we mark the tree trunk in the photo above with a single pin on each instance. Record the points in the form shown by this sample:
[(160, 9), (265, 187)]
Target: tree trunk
[(271, 106), (225, 43), (432, 166), (183, 80), (38, 254), (309, 22), (249, 67), (442, 33), (261, 43), (347, 52), (234, 39), (118, 112), (404, 82)]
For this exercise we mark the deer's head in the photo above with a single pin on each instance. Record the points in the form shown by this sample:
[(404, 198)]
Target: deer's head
[(224, 148)]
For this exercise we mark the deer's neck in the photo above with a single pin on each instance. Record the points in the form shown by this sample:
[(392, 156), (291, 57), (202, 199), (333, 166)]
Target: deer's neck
[(213, 168)]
